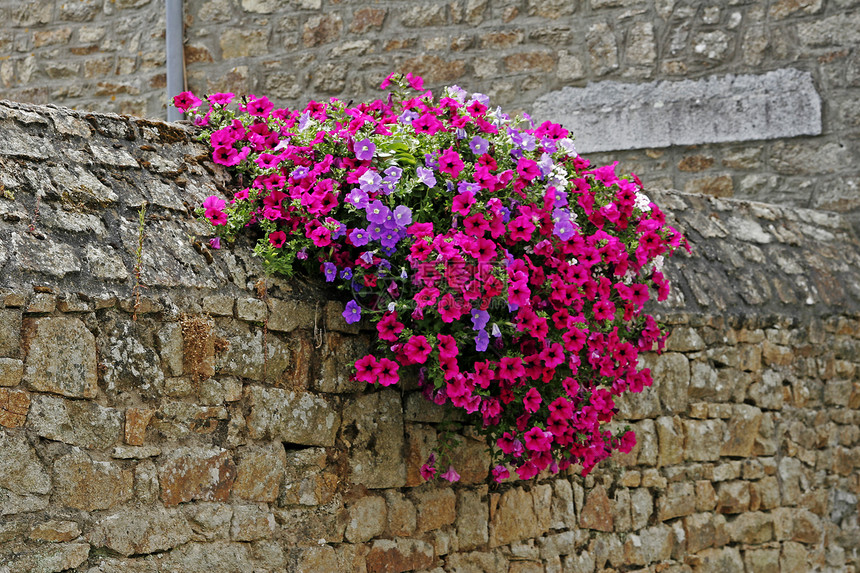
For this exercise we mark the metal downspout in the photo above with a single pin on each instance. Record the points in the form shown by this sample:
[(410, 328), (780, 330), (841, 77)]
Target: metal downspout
[(175, 56)]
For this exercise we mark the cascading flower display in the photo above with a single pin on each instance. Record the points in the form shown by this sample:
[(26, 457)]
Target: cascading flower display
[(497, 265)]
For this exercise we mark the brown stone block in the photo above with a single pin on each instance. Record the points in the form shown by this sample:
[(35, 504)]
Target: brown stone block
[(695, 163), (365, 19), (89, 485), (259, 472), (597, 513), (55, 531), (394, 556), (530, 61), (434, 69), (733, 497), (741, 431), (14, 405), (136, 421), (322, 29), (514, 518), (501, 40), (436, 508), (719, 186), (61, 357), (200, 473), (679, 500)]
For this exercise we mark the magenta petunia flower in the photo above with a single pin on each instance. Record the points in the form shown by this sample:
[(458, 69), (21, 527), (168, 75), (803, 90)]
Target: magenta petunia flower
[(185, 101), (451, 475), (277, 239)]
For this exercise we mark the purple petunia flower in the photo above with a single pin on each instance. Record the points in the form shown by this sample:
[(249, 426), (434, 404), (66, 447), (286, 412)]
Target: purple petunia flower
[(393, 174), (352, 314), (482, 341), (357, 198), (215, 242), (479, 145), (359, 237), (346, 273), (426, 176), (364, 150), (402, 216), (407, 117), (377, 212), (480, 318), (330, 271), (369, 181)]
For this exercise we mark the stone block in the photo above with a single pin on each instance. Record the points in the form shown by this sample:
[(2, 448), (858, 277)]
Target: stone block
[(563, 510), (652, 544), (597, 514), (373, 431), (700, 531), (14, 405), (751, 528), (307, 479), (321, 29), (741, 431), (402, 515), (366, 19), (670, 437), (471, 460), (777, 104), (399, 555), (140, 531), (259, 471), (21, 470), (218, 305), (641, 508), (88, 485), (61, 357), (136, 421), (196, 472), (733, 497), (722, 560), (368, 517), (243, 43), (55, 531), (515, 520), (251, 309), (51, 557), (334, 318), (678, 500), (251, 523), (11, 371), (295, 417), (436, 507), (703, 439), (75, 422)]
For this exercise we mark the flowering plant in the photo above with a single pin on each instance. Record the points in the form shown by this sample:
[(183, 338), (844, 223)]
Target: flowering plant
[(491, 258)]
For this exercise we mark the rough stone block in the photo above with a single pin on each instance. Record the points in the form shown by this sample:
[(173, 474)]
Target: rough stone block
[(514, 518), (733, 497), (472, 519), (55, 531), (751, 528), (295, 417), (612, 116), (52, 557), (367, 519), (373, 430), (21, 470), (259, 471), (61, 357), (75, 422), (89, 485), (436, 508), (678, 500), (703, 439), (140, 531), (741, 431), (670, 436), (251, 522), (10, 332), (136, 421), (399, 555), (196, 472), (596, 514), (14, 405), (402, 515)]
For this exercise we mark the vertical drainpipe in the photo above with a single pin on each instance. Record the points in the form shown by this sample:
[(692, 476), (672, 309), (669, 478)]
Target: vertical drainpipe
[(175, 56)]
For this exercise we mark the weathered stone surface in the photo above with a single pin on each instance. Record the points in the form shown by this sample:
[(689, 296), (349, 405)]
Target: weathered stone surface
[(670, 436), (189, 473), (140, 531), (74, 422), (399, 555), (292, 416), (14, 405), (51, 558), (259, 471), (436, 508), (22, 475), (288, 315), (55, 531), (197, 557), (753, 528), (514, 518), (472, 519), (721, 560), (402, 515), (308, 480), (61, 357), (244, 354), (741, 431), (703, 439), (367, 519), (733, 497), (678, 501), (10, 333), (596, 514), (373, 430), (89, 485), (782, 103), (251, 522), (136, 420)]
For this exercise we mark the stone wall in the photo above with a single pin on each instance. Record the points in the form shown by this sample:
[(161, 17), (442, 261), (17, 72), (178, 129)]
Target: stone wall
[(169, 408), (799, 147)]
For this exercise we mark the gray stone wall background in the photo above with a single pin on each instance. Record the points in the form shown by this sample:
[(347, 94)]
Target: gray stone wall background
[(210, 426), (107, 55)]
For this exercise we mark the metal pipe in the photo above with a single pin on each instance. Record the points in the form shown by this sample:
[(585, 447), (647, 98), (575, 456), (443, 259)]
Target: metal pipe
[(175, 56)]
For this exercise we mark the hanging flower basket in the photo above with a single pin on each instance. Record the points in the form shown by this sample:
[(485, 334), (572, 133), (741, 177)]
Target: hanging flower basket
[(494, 261)]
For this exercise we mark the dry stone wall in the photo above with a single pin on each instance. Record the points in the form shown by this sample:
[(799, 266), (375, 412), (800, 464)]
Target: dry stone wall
[(170, 408), (108, 55)]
